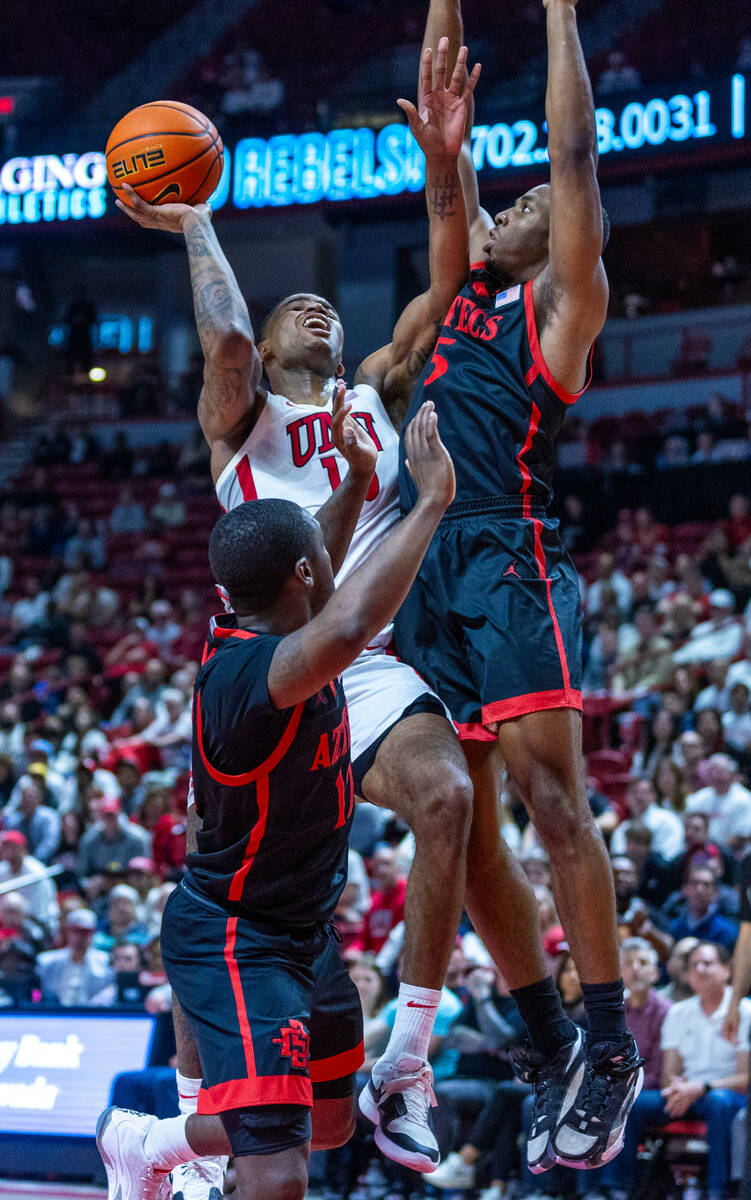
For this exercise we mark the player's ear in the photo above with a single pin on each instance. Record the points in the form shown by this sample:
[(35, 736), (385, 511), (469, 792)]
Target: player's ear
[(340, 370), (264, 351), (304, 573)]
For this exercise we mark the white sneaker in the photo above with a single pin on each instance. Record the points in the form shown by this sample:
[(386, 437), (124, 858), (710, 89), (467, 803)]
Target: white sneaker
[(120, 1135), (201, 1179), (453, 1173), (398, 1098)]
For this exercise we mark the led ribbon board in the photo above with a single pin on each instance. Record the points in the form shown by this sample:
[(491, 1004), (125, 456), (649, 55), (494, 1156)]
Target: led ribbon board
[(362, 164)]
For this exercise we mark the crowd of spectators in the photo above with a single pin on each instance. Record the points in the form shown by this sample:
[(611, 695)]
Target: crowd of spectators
[(99, 645)]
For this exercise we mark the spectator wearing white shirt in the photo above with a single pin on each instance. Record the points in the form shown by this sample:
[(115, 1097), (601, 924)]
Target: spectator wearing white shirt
[(704, 1076), (31, 609), (15, 861), (608, 577), (717, 692), (665, 826), (77, 972), (719, 637), (725, 800), (162, 629), (172, 730)]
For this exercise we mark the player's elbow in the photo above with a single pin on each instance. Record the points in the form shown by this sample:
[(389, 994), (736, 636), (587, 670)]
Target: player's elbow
[(573, 155)]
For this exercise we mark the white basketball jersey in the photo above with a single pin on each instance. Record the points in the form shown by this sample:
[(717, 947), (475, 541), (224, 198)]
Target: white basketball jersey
[(289, 455)]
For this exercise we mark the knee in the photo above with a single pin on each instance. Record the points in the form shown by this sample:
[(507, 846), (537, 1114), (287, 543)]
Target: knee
[(561, 815), (287, 1181), (444, 810), (720, 1101)]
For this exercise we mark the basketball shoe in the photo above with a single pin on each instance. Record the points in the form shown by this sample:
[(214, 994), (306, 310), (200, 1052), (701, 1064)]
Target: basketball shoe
[(556, 1082), (398, 1098), (201, 1179), (120, 1135), (591, 1133)]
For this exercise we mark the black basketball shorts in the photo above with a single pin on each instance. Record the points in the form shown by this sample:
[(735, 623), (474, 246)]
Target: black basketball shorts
[(493, 620), (276, 1018)]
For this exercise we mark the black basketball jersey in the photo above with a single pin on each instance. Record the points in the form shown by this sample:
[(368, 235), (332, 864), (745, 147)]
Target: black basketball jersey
[(499, 408), (273, 787)]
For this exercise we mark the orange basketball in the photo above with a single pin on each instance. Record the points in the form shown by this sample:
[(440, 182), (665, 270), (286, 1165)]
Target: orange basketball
[(167, 151)]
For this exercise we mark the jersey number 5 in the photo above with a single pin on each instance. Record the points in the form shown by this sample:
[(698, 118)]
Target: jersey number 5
[(439, 363)]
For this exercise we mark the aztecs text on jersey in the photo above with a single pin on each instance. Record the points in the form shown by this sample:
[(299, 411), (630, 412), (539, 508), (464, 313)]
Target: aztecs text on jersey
[(289, 455), (499, 408)]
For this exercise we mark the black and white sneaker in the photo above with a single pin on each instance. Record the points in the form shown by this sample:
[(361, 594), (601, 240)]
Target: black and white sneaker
[(200, 1179), (592, 1131), (398, 1098), (556, 1082)]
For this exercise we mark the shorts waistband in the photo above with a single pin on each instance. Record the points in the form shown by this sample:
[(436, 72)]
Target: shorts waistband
[(505, 506), (229, 908)]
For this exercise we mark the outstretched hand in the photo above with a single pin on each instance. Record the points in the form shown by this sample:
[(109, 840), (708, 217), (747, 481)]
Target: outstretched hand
[(352, 441), (428, 461), (167, 217), (440, 117)]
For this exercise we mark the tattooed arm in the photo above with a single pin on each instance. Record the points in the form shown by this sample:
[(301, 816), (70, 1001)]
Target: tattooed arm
[(438, 126), (230, 399)]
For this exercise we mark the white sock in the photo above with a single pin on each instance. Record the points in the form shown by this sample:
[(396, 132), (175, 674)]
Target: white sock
[(166, 1144), (415, 1016), (187, 1093)]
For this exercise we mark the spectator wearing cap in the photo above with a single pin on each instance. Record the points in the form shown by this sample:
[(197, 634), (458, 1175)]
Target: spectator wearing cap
[(665, 826), (111, 842), (142, 875), (74, 974), (121, 922), (719, 637), (725, 800), (39, 824), (699, 915), (16, 863)]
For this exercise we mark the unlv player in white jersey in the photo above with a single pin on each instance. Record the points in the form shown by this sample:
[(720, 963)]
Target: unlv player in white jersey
[(278, 442)]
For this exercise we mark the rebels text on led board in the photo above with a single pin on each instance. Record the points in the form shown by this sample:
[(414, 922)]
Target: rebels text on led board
[(349, 164)]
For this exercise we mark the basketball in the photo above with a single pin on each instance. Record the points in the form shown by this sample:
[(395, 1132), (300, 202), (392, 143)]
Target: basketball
[(169, 153)]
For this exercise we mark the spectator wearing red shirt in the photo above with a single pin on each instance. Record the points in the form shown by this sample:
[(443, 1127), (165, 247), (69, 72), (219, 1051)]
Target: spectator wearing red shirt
[(387, 902), (738, 524)]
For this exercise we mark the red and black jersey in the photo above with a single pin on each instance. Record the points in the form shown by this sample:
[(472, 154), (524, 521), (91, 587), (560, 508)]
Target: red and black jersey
[(273, 787), (499, 408)]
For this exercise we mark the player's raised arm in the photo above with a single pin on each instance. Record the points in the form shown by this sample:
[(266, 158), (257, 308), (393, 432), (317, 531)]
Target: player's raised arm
[(230, 399), (445, 19), (572, 291), (438, 126), (340, 514), (309, 658)]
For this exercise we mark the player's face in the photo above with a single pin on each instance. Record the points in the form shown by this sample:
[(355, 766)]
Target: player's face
[(519, 237), (305, 331)]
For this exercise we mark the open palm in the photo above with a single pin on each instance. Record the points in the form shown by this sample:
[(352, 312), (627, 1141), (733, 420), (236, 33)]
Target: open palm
[(439, 120)]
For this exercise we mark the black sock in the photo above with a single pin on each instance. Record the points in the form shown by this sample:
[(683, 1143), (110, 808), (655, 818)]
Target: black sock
[(606, 1011), (542, 1012)]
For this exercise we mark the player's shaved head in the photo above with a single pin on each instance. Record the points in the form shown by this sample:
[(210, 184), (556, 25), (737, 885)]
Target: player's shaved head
[(295, 298), (254, 548)]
